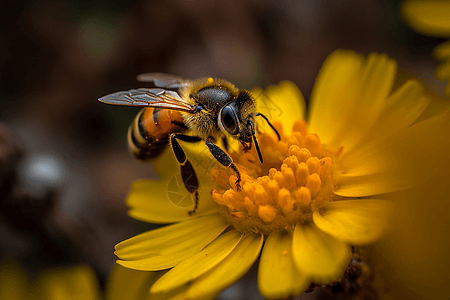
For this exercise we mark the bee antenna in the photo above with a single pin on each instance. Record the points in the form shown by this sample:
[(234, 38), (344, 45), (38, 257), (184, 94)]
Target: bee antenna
[(268, 122), (252, 128)]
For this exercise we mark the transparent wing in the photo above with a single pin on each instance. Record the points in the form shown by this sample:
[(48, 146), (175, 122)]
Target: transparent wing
[(164, 80), (158, 98)]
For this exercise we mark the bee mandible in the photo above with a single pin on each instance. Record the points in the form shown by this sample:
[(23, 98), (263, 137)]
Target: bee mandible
[(204, 109)]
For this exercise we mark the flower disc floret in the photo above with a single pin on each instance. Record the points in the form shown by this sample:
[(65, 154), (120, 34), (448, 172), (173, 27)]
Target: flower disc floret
[(295, 180)]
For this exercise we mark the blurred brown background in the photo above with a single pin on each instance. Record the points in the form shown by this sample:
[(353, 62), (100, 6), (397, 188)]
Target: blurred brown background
[(58, 57)]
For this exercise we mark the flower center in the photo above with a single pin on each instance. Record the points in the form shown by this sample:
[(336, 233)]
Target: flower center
[(295, 180)]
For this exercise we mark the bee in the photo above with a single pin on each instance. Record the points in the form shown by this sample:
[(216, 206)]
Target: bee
[(204, 109)]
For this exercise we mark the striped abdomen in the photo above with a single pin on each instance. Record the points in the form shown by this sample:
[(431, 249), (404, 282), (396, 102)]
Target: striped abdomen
[(149, 133)]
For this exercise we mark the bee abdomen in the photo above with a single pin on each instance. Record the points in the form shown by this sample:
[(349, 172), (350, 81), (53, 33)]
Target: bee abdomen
[(148, 134)]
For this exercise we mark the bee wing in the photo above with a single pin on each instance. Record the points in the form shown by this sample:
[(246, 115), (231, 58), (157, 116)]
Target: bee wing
[(158, 98), (164, 80)]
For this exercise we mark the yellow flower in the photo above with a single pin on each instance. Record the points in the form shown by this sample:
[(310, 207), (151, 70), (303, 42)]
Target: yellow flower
[(432, 17), (321, 190), (71, 283)]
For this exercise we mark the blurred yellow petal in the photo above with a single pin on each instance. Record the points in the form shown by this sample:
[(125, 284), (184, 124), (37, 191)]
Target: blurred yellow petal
[(392, 165), (123, 283), (443, 71), (431, 17), (68, 283), (198, 264), (166, 201), (233, 267), (166, 247), (182, 296), (278, 278), (283, 102), (320, 256), (442, 51), (75, 282), (357, 222), (415, 253), (173, 294), (14, 283)]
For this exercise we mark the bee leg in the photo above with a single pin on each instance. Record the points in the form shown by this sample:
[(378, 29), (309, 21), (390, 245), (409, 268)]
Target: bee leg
[(190, 181), (188, 175), (223, 158)]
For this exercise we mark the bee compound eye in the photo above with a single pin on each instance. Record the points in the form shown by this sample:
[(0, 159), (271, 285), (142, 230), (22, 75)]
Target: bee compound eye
[(229, 119)]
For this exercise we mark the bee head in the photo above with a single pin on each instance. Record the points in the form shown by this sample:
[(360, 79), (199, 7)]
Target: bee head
[(237, 119)]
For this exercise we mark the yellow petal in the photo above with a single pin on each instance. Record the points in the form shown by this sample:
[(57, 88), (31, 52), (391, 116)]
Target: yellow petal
[(198, 264), (283, 102), (278, 278), (166, 164), (349, 95), (166, 201), (368, 185), (356, 222), (123, 283), (233, 267), (333, 94), (166, 247), (403, 108), (431, 17), (376, 80), (319, 255), (398, 162)]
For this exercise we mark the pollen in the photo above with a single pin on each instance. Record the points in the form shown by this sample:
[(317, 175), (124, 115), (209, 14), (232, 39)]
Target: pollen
[(295, 180)]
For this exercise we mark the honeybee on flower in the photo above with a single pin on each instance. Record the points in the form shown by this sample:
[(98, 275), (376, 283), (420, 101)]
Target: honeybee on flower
[(320, 191)]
